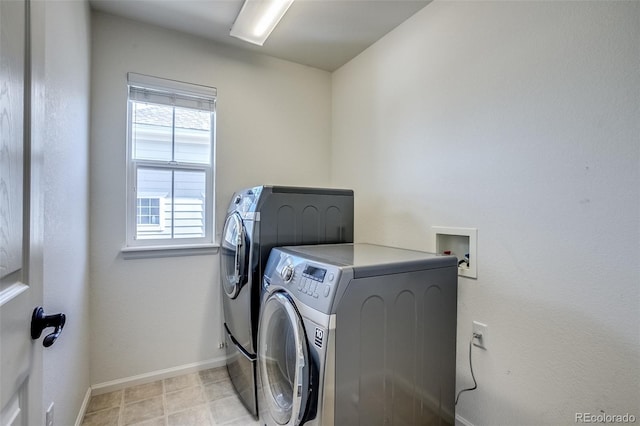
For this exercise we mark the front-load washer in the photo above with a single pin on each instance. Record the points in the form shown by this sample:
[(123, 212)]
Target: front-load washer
[(259, 219), (357, 334)]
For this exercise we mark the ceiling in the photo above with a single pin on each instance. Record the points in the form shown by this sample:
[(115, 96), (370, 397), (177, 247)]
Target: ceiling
[(323, 34)]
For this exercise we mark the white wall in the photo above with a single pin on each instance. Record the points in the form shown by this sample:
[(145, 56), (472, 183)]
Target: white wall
[(273, 128), (66, 189), (521, 119)]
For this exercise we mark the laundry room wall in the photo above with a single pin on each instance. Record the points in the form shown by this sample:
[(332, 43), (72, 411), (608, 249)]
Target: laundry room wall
[(520, 119), (61, 38), (152, 315)]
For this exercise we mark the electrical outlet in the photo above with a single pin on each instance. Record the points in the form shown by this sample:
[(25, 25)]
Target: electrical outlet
[(49, 416), (480, 334), (221, 345)]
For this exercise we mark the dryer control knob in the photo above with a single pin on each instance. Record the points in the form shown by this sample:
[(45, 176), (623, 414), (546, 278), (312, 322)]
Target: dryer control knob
[(287, 273)]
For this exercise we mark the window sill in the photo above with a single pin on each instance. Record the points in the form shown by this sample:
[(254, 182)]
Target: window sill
[(149, 252)]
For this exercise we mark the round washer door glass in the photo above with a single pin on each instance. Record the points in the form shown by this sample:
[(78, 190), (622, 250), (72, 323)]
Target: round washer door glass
[(234, 255), (284, 360)]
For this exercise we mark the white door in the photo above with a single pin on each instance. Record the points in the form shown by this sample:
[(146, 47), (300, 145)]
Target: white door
[(20, 222)]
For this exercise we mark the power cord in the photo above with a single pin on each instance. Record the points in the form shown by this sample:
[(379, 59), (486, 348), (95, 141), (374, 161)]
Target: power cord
[(475, 384)]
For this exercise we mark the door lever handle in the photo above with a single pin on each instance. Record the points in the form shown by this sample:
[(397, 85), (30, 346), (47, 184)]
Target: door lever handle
[(40, 321)]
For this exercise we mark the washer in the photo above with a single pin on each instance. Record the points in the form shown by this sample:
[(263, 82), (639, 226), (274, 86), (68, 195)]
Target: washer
[(259, 219), (357, 334)]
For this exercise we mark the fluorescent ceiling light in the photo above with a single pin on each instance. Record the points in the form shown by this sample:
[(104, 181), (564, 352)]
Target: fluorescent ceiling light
[(258, 18)]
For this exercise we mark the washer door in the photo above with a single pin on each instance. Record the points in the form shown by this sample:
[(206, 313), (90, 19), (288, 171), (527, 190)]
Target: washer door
[(283, 358), (234, 255)]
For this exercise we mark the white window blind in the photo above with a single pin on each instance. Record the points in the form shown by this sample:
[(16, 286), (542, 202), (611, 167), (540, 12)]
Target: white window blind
[(170, 144), (145, 88)]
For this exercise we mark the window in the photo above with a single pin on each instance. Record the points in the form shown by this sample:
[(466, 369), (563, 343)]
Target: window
[(148, 212), (171, 142)]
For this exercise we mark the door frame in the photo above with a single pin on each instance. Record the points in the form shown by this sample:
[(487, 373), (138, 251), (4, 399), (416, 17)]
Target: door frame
[(35, 122)]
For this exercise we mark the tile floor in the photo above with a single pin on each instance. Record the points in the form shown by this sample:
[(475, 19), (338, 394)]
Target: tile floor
[(206, 398)]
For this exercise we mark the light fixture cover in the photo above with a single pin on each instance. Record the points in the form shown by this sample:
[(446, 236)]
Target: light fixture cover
[(257, 18)]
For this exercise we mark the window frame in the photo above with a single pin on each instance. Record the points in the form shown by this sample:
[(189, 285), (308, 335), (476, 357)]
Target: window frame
[(177, 90)]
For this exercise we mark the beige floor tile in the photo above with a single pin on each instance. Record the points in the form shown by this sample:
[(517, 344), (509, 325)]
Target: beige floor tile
[(196, 399), (106, 400), (218, 390), (108, 417), (227, 409), (180, 382), (184, 398), (195, 416), (143, 410), (160, 421), (140, 392), (241, 421), (214, 375)]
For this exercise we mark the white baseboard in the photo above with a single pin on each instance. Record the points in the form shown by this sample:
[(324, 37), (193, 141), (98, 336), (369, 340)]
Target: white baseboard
[(152, 376), (461, 421), (83, 407)]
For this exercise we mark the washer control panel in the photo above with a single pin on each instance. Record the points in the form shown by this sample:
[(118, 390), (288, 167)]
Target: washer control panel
[(312, 282), (314, 273)]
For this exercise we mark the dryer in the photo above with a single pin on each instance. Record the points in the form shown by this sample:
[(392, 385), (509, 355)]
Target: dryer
[(357, 334), (259, 219)]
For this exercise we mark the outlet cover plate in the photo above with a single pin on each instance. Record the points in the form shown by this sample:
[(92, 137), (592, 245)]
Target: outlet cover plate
[(482, 329)]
